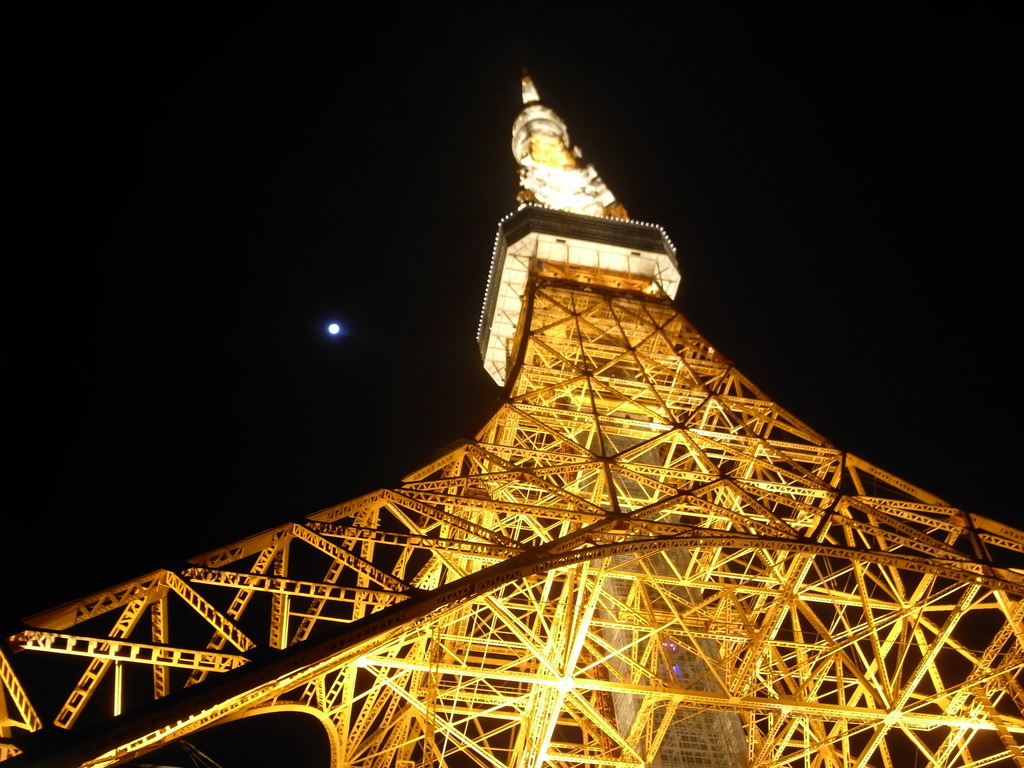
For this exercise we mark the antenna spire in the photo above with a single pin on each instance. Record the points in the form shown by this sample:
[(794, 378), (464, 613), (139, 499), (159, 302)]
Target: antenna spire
[(551, 170), (530, 94)]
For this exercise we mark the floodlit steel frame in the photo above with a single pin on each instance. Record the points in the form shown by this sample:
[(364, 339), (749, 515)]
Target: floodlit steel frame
[(639, 560)]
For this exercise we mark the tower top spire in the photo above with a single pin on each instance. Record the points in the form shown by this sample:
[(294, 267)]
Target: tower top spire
[(530, 94), (551, 170)]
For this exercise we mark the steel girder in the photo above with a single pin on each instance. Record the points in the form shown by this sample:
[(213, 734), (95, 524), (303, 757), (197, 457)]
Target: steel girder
[(639, 560)]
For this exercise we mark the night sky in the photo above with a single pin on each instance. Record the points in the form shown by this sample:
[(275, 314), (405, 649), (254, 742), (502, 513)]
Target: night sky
[(200, 195)]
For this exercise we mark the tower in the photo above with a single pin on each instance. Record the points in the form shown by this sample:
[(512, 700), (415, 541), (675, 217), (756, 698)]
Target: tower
[(639, 560)]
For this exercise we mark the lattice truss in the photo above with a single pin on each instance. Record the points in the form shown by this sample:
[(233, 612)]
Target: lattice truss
[(640, 560)]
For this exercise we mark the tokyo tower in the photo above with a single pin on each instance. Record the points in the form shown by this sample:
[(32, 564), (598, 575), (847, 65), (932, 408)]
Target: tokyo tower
[(640, 560)]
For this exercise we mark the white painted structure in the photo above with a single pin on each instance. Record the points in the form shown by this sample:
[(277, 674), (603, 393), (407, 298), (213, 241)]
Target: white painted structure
[(534, 240)]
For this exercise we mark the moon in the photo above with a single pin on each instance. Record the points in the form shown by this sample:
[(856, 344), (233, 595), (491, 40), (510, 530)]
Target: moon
[(334, 329)]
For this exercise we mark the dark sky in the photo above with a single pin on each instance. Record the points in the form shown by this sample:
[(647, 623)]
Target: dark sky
[(199, 195)]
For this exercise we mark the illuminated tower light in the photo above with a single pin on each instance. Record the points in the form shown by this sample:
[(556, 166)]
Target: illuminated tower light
[(640, 561)]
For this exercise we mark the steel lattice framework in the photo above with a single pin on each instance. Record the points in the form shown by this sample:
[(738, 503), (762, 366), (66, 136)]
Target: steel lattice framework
[(640, 560)]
